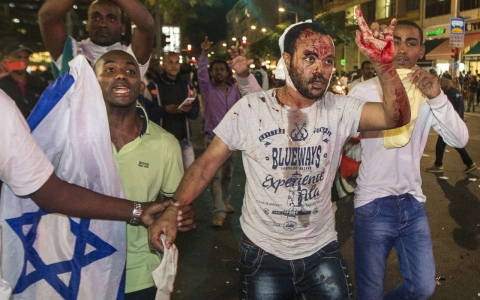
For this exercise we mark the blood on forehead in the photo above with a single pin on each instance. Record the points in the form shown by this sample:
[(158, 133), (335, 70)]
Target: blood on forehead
[(319, 43)]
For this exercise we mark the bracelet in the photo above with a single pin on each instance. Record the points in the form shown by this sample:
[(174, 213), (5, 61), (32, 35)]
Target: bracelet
[(136, 213)]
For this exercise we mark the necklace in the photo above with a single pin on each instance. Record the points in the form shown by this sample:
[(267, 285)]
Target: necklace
[(300, 131)]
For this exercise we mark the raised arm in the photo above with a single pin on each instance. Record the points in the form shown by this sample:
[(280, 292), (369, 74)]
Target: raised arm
[(144, 34), (202, 72), (240, 64), (52, 27), (377, 45), (194, 182)]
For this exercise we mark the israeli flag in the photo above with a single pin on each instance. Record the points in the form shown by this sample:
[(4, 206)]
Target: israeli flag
[(50, 256)]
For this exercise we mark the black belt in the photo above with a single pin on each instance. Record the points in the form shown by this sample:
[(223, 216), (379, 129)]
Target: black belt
[(247, 241)]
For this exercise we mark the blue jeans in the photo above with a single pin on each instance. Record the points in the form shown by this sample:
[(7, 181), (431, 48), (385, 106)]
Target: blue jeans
[(323, 275), (385, 223)]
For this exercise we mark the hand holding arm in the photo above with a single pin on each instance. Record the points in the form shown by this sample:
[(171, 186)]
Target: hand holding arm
[(377, 45), (166, 223)]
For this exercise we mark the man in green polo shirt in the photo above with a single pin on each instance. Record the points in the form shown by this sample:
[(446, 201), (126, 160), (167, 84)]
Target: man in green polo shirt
[(148, 158)]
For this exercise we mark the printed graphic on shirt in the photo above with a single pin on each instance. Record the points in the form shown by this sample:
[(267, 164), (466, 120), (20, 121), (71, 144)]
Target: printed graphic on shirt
[(297, 174)]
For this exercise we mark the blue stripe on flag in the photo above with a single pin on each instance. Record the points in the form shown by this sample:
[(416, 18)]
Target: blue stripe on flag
[(50, 97)]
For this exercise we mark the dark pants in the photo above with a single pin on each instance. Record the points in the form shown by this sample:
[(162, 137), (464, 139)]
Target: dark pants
[(146, 294), (322, 275), (440, 149)]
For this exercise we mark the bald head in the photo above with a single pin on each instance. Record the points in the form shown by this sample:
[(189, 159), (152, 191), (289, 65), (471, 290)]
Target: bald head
[(118, 74)]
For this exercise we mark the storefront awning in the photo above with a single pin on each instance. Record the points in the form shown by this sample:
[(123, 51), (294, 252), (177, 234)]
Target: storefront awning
[(429, 46), (473, 54), (445, 52)]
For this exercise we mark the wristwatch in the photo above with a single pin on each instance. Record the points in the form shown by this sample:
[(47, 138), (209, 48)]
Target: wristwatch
[(136, 213)]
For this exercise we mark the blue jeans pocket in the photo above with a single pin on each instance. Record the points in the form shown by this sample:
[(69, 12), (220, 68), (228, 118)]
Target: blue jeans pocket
[(250, 259), (369, 210), (417, 205), (330, 249)]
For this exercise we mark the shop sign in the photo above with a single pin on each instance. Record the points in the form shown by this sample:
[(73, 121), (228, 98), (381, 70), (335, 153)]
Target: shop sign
[(436, 32)]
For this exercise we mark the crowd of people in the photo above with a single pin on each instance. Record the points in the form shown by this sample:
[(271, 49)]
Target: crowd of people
[(113, 126)]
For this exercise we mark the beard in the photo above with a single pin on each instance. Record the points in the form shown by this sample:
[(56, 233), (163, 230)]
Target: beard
[(301, 83)]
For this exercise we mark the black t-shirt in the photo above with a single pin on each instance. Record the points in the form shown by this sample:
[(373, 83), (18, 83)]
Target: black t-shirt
[(456, 99), (25, 101), (472, 86), (172, 92)]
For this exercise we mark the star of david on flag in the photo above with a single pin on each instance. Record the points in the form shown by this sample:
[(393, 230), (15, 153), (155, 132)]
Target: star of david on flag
[(52, 256)]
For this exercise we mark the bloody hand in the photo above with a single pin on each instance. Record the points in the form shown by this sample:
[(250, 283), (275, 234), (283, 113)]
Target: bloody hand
[(377, 43)]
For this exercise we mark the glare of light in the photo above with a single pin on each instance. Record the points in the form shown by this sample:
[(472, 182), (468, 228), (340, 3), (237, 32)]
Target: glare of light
[(84, 22), (253, 27), (209, 55), (264, 29), (213, 52), (234, 39), (22, 31), (11, 4), (224, 44), (252, 66), (16, 20), (244, 38), (281, 9), (75, 7)]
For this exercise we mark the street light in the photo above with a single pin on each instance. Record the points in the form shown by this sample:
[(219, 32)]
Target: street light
[(282, 10)]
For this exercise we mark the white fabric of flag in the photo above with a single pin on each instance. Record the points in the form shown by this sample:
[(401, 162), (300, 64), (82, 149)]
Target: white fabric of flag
[(53, 256)]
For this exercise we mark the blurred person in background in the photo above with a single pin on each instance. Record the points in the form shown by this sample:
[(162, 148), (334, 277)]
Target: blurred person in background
[(16, 82)]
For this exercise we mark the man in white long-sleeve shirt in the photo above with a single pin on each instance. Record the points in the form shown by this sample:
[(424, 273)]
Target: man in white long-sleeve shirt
[(389, 202)]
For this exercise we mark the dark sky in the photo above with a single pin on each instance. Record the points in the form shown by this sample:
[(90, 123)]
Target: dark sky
[(211, 22)]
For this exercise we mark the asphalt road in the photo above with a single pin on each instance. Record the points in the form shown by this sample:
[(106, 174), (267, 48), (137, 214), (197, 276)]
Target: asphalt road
[(208, 257)]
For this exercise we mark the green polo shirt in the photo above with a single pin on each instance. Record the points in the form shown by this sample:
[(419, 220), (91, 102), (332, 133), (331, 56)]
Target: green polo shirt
[(149, 165)]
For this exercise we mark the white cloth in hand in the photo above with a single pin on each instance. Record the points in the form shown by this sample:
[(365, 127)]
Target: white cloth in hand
[(164, 274)]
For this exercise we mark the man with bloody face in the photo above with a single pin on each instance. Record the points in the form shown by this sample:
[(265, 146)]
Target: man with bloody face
[(291, 140)]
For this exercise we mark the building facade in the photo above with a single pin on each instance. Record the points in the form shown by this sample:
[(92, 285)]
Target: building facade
[(433, 16)]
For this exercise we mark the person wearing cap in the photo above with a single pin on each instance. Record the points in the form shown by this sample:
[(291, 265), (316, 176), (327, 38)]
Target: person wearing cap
[(291, 141), (16, 82), (105, 27)]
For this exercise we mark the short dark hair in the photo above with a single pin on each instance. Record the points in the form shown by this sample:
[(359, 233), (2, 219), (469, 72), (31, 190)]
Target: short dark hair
[(219, 61), (447, 76), (122, 17), (365, 62), (412, 24), (293, 34)]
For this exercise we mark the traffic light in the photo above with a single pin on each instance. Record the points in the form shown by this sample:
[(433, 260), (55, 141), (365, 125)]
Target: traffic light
[(455, 54), (189, 47)]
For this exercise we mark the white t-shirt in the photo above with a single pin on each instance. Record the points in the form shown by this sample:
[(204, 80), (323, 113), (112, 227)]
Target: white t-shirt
[(397, 171), (92, 53), (287, 204), (23, 166)]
